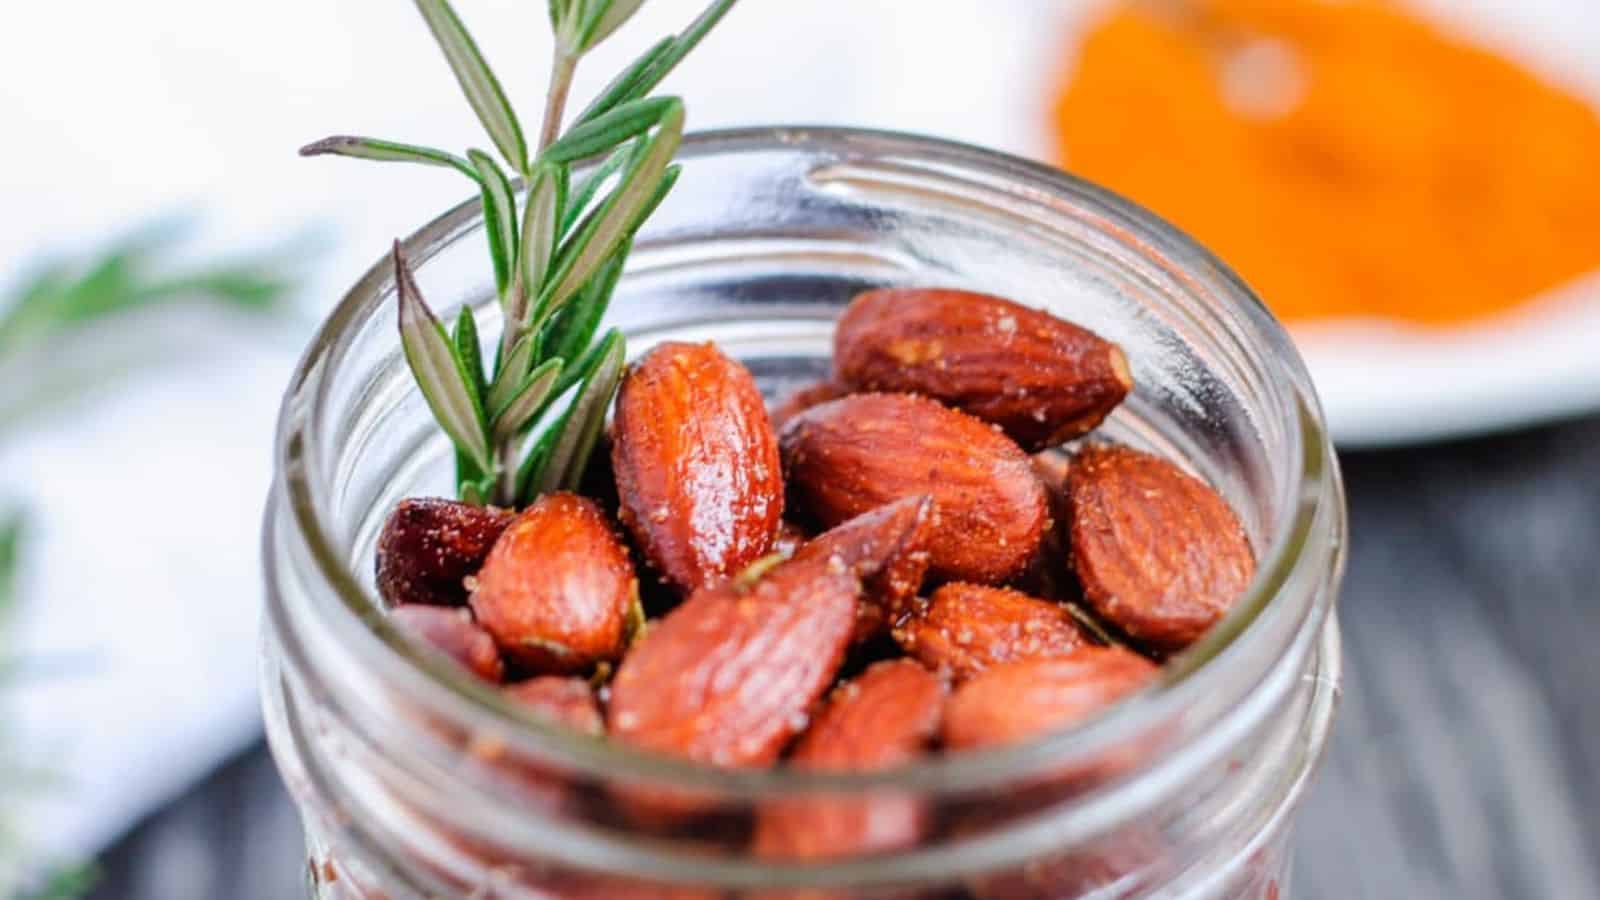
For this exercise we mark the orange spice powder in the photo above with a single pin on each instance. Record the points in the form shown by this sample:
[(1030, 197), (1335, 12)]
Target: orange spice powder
[(1346, 158)]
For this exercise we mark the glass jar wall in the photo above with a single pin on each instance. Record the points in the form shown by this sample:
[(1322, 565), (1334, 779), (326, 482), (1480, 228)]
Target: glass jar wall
[(416, 781)]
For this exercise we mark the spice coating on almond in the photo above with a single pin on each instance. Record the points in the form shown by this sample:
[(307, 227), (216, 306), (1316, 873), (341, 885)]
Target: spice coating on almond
[(727, 677), (696, 463), (1025, 699), (964, 629), (452, 631), (888, 549), (429, 545), (885, 717), (1042, 379), (558, 589), (855, 454), (1159, 553)]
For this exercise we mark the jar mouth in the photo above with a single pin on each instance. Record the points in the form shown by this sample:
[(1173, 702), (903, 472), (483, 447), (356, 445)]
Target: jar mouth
[(1293, 556)]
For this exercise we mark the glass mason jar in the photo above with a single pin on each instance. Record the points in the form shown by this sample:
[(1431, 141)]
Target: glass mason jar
[(415, 780)]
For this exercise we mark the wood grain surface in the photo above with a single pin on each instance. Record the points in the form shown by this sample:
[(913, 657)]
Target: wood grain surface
[(1466, 761)]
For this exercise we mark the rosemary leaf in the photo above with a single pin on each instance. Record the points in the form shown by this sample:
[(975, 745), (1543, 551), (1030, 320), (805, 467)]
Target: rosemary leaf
[(500, 216), (477, 82), (649, 70), (439, 371), (513, 368), (468, 347), (470, 352), (663, 188), (618, 217), (580, 197), (472, 492), (533, 465), (570, 330), (579, 427), (546, 195), (610, 129), (527, 402), (387, 151), (604, 17), (560, 11), (621, 88)]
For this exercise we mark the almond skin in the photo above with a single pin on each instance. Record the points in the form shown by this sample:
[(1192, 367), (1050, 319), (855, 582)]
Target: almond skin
[(566, 701), (887, 549), (857, 453), (452, 631), (1041, 379), (558, 589), (1020, 700), (696, 463), (813, 394), (429, 545), (885, 717), (1158, 552), (967, 628), (727, 677)]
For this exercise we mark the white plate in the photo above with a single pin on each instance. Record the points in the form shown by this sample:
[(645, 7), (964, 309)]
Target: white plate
[(980, 71), (1384, 384)]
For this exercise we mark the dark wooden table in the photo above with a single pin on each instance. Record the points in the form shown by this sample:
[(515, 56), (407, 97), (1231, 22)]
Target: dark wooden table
[(1466, 763)]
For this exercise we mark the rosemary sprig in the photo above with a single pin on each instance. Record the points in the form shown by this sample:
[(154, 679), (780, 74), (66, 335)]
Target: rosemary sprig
[(556, 262)]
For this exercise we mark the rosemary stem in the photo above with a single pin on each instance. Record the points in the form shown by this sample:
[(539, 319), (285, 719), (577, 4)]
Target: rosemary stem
[(505, 483), (562, 67), (505, 453), (555, 104)]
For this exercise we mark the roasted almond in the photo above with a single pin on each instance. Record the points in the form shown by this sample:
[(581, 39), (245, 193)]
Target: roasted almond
[(452, 631), (558, 591), (563, 700), (1020, 700), (883, 718), (888, 549), (857, 453), (1049, 573), (964, 629), (429, 545), (1158, 552), (1080, 873), (1042, 379), (566, 701), (727, 677), (813, 394), (696, 463)]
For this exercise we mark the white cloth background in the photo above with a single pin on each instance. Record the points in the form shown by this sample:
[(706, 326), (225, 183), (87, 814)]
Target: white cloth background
[(144, 569)]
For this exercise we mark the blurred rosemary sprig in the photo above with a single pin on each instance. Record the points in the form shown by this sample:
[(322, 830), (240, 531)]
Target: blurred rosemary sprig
[(61, 300), (556, 262), (65, 296)]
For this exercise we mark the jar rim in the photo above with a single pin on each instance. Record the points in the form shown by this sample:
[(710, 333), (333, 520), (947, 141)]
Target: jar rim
[(1312, 490)]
